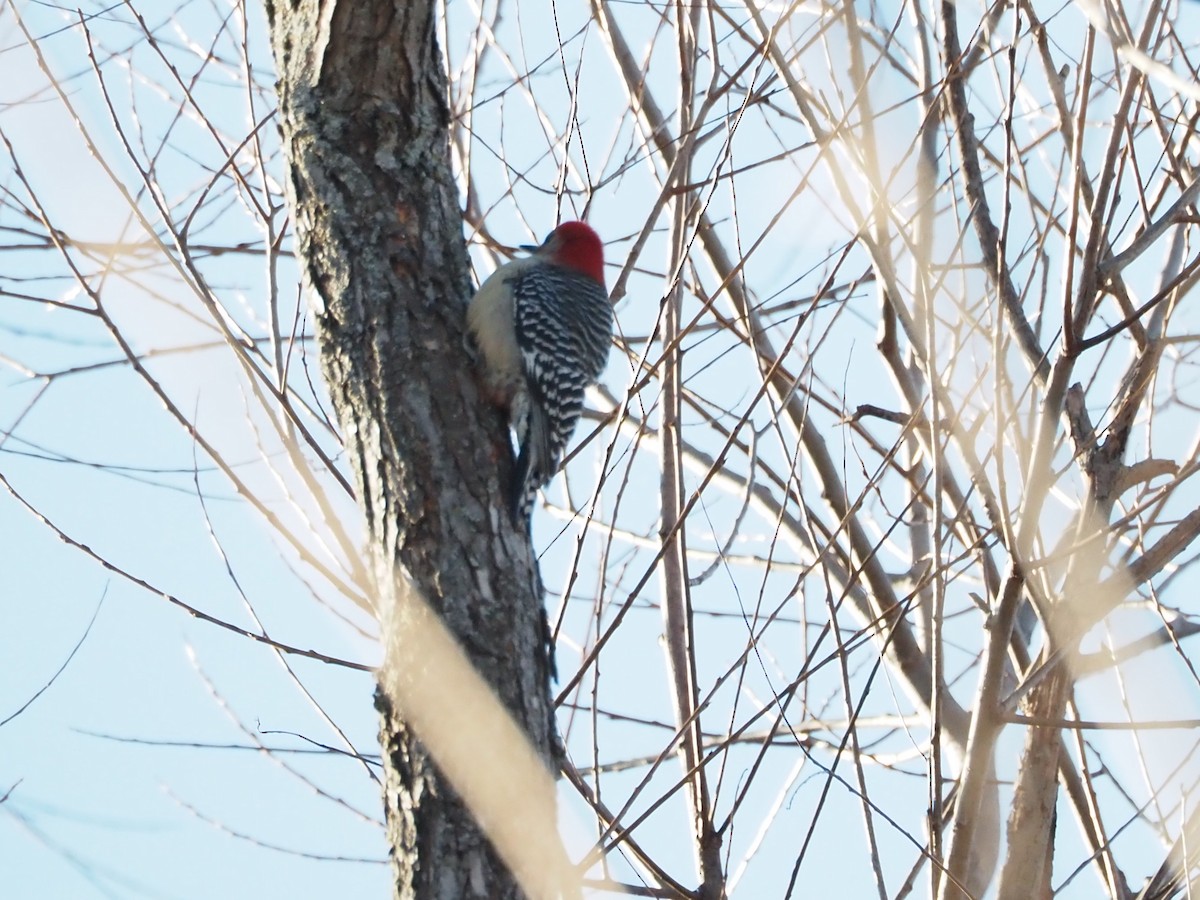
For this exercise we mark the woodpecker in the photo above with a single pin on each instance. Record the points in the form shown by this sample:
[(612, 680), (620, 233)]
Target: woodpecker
[(543, 325)]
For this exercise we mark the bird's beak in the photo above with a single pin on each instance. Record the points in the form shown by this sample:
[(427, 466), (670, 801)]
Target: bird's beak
[(538, 248)]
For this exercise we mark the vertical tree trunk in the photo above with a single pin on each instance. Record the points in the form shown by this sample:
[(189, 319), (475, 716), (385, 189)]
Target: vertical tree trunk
[(363, 113), (1031, 824)]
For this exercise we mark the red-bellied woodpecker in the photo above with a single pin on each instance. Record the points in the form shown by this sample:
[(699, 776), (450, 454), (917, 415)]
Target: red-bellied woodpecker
[(543, 326)]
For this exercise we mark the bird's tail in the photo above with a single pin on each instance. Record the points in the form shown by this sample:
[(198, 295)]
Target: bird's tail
[(537, 461)]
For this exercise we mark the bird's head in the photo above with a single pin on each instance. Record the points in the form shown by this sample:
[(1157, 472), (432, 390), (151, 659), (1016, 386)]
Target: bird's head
[(576, 246)]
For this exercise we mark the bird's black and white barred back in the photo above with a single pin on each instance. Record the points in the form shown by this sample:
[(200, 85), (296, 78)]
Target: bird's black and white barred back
[(564, 330)]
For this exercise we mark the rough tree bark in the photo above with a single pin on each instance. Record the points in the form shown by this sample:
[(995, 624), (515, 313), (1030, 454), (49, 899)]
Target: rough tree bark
[(363, 114)]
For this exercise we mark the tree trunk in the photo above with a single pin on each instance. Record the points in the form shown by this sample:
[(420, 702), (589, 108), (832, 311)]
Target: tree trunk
[(1031, 824), (364, 119)]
